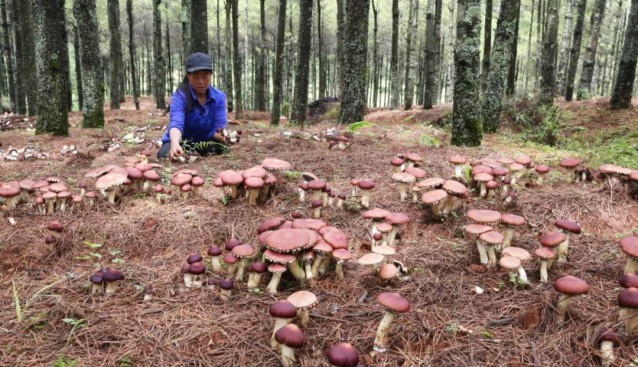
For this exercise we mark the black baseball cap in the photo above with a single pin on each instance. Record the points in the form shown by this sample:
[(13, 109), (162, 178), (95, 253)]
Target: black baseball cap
[(198, 61)]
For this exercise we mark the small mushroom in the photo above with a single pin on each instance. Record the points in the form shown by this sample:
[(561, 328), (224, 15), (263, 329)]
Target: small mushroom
[(255, 272), (491, 240), (405, 181), (316, 204), (629, 245), (628, 303), (215, 252), (226, 288), (393, 303), (283, 312), (475, 230), (303, 301), (343, 355), (511, 222), (436, 199), (568, 287), (341, 255), (277, 270), (111, 277), (512, 264), (97, 282), (522, 255), (290, 337), (545, 254), (366, 186), (567, 227), (608, 339)]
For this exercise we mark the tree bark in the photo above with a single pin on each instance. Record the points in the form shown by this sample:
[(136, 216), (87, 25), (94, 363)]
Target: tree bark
[(487, 44), (237, 62), (340, 35), (159, 75), (51, 67), (28, 56), (375, 53), (304, 39), (394, 59), (92, 76), (413, 21), (512, 74), (355, 61), (21, 102), (78, 66), (199, 26), (279, 64), (320, 53), (496, 83), (115, 49), (186, 27), (529, 45), (466, 121), (563, 63), (623, 87), (587, 72), (260, 87), (229, 57), (131, 50), (550, 49), (574, 53)]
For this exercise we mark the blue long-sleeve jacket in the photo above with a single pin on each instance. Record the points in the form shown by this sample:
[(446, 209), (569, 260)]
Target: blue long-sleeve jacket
[(201, 122)]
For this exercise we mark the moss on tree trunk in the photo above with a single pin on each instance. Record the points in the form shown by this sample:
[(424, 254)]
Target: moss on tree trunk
[(466, 119)]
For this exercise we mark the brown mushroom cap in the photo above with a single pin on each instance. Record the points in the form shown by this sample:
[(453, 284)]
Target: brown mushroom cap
[(629, 246), (9, 191), (413, 157), (384, 227), (282, 309), (388, 271), (384, 250), (197, 268), (483, 177), (513, 220), (302, 299), (568, 225), (276, 268), (552, 239), (432, 182), (231, 243), (335, 237), (492, 237), (181, 179), (434, 196), (416, 172), (371, 259), (517, 252), (376, 213), (343, 355), (230, 259), (243, 251), (198, 181), (307, 223), (316, 185), (397, 218), (342, 254), (287, 240), (112, 275), (396, 161), (569, 162), (254, 182), (403, 177), (194, 258), (270, 224), (628, 298), (523, 159), (231, 178), (151, 175), (457, 159), (477, 229), (366, 184), (110, 180), (291, 336), (629, 280), (571, 285), (545, 253), (499, 172), (256, 171), (510, 262), (609, 335), (394, 302), (483, 216), (214, 250), (58, 187), (542, 169), (274, 164), (614, 169), (481, 169), (55, 226)]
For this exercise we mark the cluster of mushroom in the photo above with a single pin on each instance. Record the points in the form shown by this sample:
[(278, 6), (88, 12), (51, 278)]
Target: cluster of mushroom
[(105, 281), (194, 270), (186, 181), (406, 173), (321, 195), (257, 183), (113, 181)]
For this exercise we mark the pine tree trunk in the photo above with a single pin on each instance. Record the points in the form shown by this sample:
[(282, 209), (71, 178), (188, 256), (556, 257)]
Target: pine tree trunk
[(28, 56), (131, 50), (512, 73), (51, 67), (550, 50), (78, 66), (487, 44), (169, 58), (496, 83), (574, 53), (435, 84), (410, 66), (279, 64), (340, 35), (260, 87), (394, 60), (230, 100), (623, 87), (115, 50), (8, 53), (375, 53), (21, 101), (237, 62), (618, 37), (186, 27), (355, 61), (466, 121), (449, 89), (563, 62), (159, 76), (539, 43), (587, 73), (199, 26), (304, 40), (320, 51), (529, 45), (92, 78)]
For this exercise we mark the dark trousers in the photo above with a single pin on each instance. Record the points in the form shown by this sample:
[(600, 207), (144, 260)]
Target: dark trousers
[(209, 147)]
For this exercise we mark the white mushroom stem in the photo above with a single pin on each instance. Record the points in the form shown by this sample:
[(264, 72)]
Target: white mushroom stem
[(392, 235), (96, 288), (274, 283), (630, 317), (287, 356), (11, 221), (564, 300), (317, 212), (544, 275), (563, 248), (607, 353), (324, 197), (339, 203), (253, 195), (232, 269), (296, 270), (491, 256), (233, 191), (483, 192), (304, 317), (482, 250), (253, 280), (302, 194), (50, 206), (308, 265), (354, 190), (216, 265), (339, 269), (225, 294), (323, 267), (146, 185), (458, 170), (365, 198), (403, 191), (508, 233), (504, 191), (380, 343), (522, 275), (112, 192), (188, 280), (279, 323), (111, 288), (317, 262), (632, 266), (436, 208), (239, 275)]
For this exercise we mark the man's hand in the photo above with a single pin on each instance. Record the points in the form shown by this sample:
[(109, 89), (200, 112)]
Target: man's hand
[(176, 151)]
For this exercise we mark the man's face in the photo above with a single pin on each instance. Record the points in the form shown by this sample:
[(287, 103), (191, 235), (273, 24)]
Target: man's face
[(199, 80)]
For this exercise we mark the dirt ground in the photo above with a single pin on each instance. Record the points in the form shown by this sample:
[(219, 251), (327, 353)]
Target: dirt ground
[(448, 325)]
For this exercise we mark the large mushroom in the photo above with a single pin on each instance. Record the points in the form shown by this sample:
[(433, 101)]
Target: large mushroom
[(629, 245), (405, 181), (436, 199), (568, 287), (511, 222), (290, 337), (396, 220), (283, 311), (628, 303), (111, 276), (393, 303), (110, 184), (232, 179)]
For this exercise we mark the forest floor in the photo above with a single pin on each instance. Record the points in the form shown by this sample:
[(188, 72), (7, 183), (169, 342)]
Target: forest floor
[(57, 321)]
